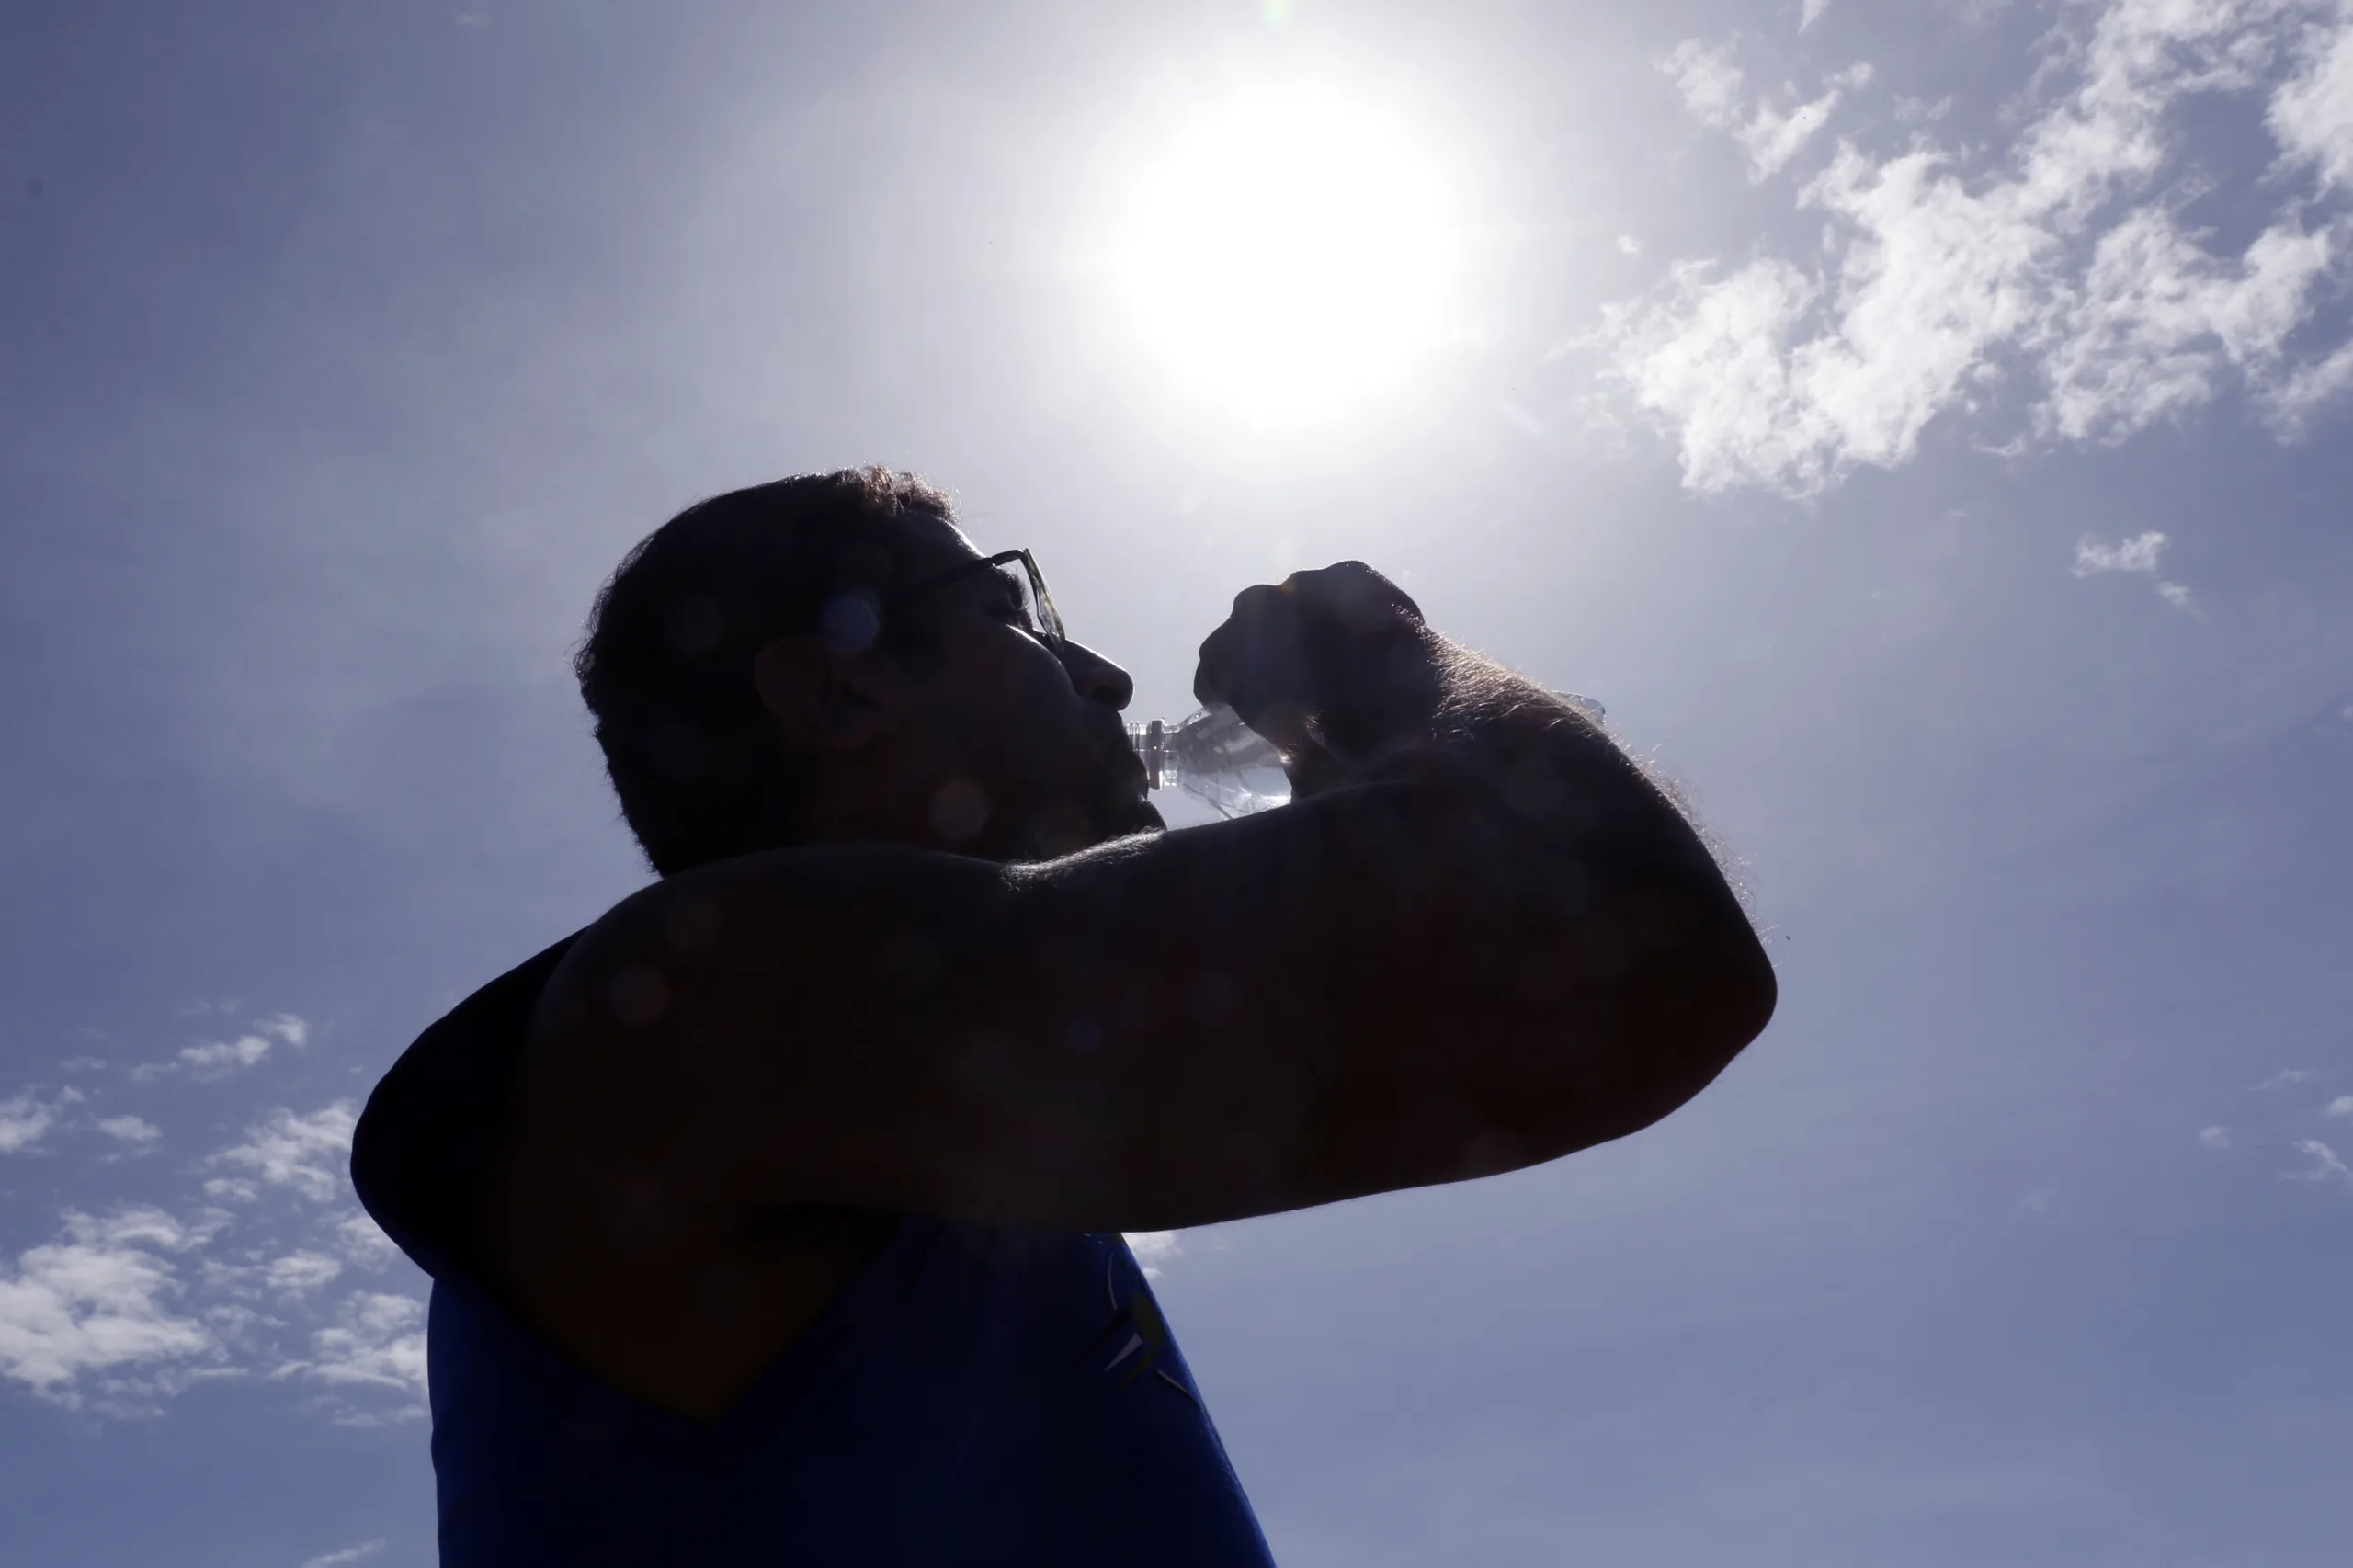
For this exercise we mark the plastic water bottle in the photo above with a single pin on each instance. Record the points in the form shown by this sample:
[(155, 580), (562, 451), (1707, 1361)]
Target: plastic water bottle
[(1217, 759)]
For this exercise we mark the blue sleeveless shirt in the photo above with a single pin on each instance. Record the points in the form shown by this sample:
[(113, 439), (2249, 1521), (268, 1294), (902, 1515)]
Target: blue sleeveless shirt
[(970, 1396)]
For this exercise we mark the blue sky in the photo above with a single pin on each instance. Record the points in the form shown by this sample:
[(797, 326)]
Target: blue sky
[(1925, 426)]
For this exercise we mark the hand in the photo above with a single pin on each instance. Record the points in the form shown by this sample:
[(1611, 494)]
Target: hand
[(1337, 662)]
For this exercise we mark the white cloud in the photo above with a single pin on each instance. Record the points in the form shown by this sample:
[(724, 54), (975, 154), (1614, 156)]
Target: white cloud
[(2341, 1107), (2313, 115), (286, 1026), (142, 1226), (96, 1299), (1711, 89), (1154, 1248), (223, 1057), (128, 1129), (2157, 320), (363, 1241), (379, 1341), (25, 1120), (1708, 80), (307, 1153), (2325, 1167), (2287, 1078), (359, 1554), (2139, 553), (2309, 388), (2214, 1137), (1713, 357), (1811, 13), (1772, 139), (300, 1273), (218, 1059), (117, 1313), (2061, 266)]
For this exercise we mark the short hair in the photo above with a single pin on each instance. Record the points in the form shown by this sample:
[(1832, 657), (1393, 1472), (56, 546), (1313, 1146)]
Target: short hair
[(666, 665)]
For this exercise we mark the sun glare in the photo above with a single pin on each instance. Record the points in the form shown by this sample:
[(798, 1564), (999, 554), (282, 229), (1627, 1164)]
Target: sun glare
[(1288, 253)]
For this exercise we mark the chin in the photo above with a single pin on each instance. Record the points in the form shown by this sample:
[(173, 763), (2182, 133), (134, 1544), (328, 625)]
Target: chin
[(1140, 816), (1123, 807), (1064, 827)]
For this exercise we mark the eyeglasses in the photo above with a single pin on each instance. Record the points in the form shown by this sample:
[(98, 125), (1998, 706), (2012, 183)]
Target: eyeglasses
[(1028, 585)]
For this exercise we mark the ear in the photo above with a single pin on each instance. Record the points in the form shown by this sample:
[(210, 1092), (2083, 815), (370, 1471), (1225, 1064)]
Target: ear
[(825, 699)]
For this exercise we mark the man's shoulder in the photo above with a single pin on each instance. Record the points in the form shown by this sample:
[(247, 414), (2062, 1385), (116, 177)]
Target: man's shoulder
[(422, 1142)]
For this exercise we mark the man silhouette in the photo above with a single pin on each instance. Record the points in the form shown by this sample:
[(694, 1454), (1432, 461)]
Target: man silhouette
[(775, 1217)]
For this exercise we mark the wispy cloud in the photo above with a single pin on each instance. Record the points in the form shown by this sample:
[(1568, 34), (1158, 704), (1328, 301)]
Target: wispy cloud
[(2286, 1078), (2311, 116), (2058, 262), (378, 1341), (133, 1130), (1714, 92), (2140, 553), (2324, 1167), (218, 1059), (306, 1154), (300, 1273), (363, 1241), (2340, 1107), (2214, 1137), (26, 1118), (359, 1554)]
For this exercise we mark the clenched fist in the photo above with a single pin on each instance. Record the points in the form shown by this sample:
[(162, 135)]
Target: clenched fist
[(1331, 666)]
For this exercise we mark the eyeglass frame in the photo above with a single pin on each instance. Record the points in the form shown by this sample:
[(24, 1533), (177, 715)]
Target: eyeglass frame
[(1050, 631)]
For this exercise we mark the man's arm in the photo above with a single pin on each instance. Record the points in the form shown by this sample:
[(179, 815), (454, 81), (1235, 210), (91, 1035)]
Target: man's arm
[(1479, 940)]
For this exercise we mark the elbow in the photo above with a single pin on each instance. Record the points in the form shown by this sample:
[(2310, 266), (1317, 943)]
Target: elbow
[(1722, 1000), (1746, 991), (1706, 1000)]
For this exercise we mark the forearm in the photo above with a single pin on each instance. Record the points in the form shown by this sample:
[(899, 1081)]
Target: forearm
[(1432, 709)]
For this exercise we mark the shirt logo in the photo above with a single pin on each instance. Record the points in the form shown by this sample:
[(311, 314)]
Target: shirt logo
[(1146, 1333)]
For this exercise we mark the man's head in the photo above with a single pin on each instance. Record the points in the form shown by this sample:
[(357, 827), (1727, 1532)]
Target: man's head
[(823, 659)]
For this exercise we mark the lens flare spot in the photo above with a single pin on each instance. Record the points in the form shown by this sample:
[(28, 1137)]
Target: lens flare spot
[(958, 810), (637, 996)]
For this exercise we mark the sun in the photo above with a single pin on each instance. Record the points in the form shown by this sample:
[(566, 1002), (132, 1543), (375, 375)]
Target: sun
[(1290, 254)]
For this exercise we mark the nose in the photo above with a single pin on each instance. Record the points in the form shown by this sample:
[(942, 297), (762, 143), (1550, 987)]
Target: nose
[(1097, 677)]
